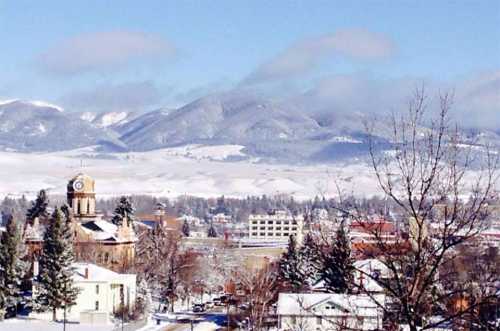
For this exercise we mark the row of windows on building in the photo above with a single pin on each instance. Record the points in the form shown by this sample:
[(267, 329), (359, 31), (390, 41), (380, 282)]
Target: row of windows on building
[(342, 321), (271, 234), (270, 228), (285, 222)]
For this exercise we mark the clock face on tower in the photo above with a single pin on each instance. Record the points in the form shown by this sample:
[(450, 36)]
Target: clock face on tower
[(78, 185)]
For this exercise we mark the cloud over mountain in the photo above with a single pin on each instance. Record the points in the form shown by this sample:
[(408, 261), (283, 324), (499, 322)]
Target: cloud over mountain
[(131, 96), (102, 52), (307, 54)]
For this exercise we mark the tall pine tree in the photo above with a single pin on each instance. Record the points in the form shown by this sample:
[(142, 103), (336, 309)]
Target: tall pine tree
[(38, 207), (185, 228), (123, 211), (310, 261), (212, 233), (12, 267), (337, 270), (290, 267), (55, 288)]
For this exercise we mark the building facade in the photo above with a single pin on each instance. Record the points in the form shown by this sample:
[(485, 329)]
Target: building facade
[(275, 226), (102, 293)]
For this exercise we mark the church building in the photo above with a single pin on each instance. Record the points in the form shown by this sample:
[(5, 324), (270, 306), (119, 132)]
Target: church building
[(96, 240)]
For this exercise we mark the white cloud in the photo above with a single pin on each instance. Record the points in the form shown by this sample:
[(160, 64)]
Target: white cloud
[(476, 98), (102, 52), (306, 54), (132, 96)]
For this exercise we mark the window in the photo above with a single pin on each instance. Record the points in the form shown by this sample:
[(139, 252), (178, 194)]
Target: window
[(97, 305), (286, 222), (254, 228), (97, 290), (262, 227), (278, 222), (278, 228), (262, 222), (254, 234), (254, 222), (270, 234), (269, 222), (286, 228), (286, 234), (293, 319), (319, 320)]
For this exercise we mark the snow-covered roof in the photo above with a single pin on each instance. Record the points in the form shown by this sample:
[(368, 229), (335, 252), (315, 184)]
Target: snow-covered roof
[(368, 284), (100, 230), (95, 273), (370, 265), (34, 232), (303, 304)]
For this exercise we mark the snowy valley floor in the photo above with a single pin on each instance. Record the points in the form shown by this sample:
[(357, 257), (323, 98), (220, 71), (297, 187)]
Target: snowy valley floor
[(195, 170)]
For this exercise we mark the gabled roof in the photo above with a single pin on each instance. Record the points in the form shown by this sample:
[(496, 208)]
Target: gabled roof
[(95, 273), (303, 304)]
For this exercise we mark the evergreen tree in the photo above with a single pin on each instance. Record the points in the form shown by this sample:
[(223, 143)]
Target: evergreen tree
[(39, 207), (12, 268), (310, 261), (212, 233), (290, 267), (185, 228), (337, 270), (124, 210), (55, 288)]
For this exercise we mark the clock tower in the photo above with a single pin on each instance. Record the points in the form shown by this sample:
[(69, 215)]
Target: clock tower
[(81, 196)]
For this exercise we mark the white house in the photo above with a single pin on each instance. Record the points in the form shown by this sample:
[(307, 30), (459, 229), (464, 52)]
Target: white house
[(328, 311), (101, 291)]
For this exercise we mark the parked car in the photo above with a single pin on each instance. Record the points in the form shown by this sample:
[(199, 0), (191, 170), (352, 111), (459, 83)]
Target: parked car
[(199, 308), (243, 306), (218, 302), (209, 304)]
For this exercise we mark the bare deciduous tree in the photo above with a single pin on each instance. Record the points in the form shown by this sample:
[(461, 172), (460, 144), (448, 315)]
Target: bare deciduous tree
[(261, 288), (162, 261), (442, 190)]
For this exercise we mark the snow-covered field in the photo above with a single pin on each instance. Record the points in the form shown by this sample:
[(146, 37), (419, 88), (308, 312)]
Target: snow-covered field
[(193, 169)]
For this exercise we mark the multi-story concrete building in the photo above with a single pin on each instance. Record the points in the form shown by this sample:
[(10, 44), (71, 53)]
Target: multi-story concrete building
[(275, 226)]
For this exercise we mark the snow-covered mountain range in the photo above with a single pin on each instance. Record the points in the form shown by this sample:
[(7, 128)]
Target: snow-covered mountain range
[(268, 130)]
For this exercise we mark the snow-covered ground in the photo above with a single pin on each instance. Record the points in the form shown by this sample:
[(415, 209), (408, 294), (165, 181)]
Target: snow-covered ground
[(16, 324), (195, 170)]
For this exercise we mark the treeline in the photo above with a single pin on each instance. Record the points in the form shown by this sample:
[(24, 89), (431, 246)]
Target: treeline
[(238, 208)]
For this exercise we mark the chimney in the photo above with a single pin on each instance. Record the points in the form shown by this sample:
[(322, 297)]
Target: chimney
[(86, 275)]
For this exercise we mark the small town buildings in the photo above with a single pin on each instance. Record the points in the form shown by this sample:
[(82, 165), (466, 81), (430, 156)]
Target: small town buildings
[(101, 292), (328, 311), (221, 218), (275, 226)]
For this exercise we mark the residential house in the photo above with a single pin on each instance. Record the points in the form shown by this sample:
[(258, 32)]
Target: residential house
[(328, 311)]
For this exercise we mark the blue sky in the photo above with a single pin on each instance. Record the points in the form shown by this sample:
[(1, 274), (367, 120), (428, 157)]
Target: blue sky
[(87, 55)]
